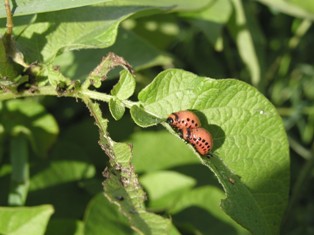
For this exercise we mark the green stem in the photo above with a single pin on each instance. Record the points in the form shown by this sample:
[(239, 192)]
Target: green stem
[(9, 17), (49, 90), (20, 170)]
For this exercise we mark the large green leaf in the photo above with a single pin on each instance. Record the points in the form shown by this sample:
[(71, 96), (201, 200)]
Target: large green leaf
[(88, 27), (250, 144), (27, 7), (24, 220), (79, 28)]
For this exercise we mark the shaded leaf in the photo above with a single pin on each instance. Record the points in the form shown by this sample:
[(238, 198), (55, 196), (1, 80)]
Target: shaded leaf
[(102, 217), (30, 118), (65, 226), (193, 208)]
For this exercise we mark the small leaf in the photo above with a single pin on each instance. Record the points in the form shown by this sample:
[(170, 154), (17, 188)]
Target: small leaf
[(143, 118), (25, 220), (55, 77), (125, 87), (116, 108)]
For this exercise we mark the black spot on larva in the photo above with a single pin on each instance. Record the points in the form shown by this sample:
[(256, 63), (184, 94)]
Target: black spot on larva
[(203, 140), (169, 120)]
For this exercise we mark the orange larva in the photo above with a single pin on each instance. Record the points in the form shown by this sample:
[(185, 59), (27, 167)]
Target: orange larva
[(183, 119), (199, 138)]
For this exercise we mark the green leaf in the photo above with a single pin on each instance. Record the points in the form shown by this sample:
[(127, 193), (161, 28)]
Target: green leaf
[(26, 7), (165, 187), (250, 143), (116, 108), (59, 31), (29, 7), (149, 143), (24, 220), (64, 168), (125, 87), (30, 118), (102, 217), (97, 28), (192, 208), (143, 118)]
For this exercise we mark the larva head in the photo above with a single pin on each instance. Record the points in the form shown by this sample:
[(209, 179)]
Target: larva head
[(199, 138), (183, 119)]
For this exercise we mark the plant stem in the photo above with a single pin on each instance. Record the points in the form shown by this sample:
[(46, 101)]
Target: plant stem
[(104, 97), (20, 170), (50, 90), (9, 17)]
